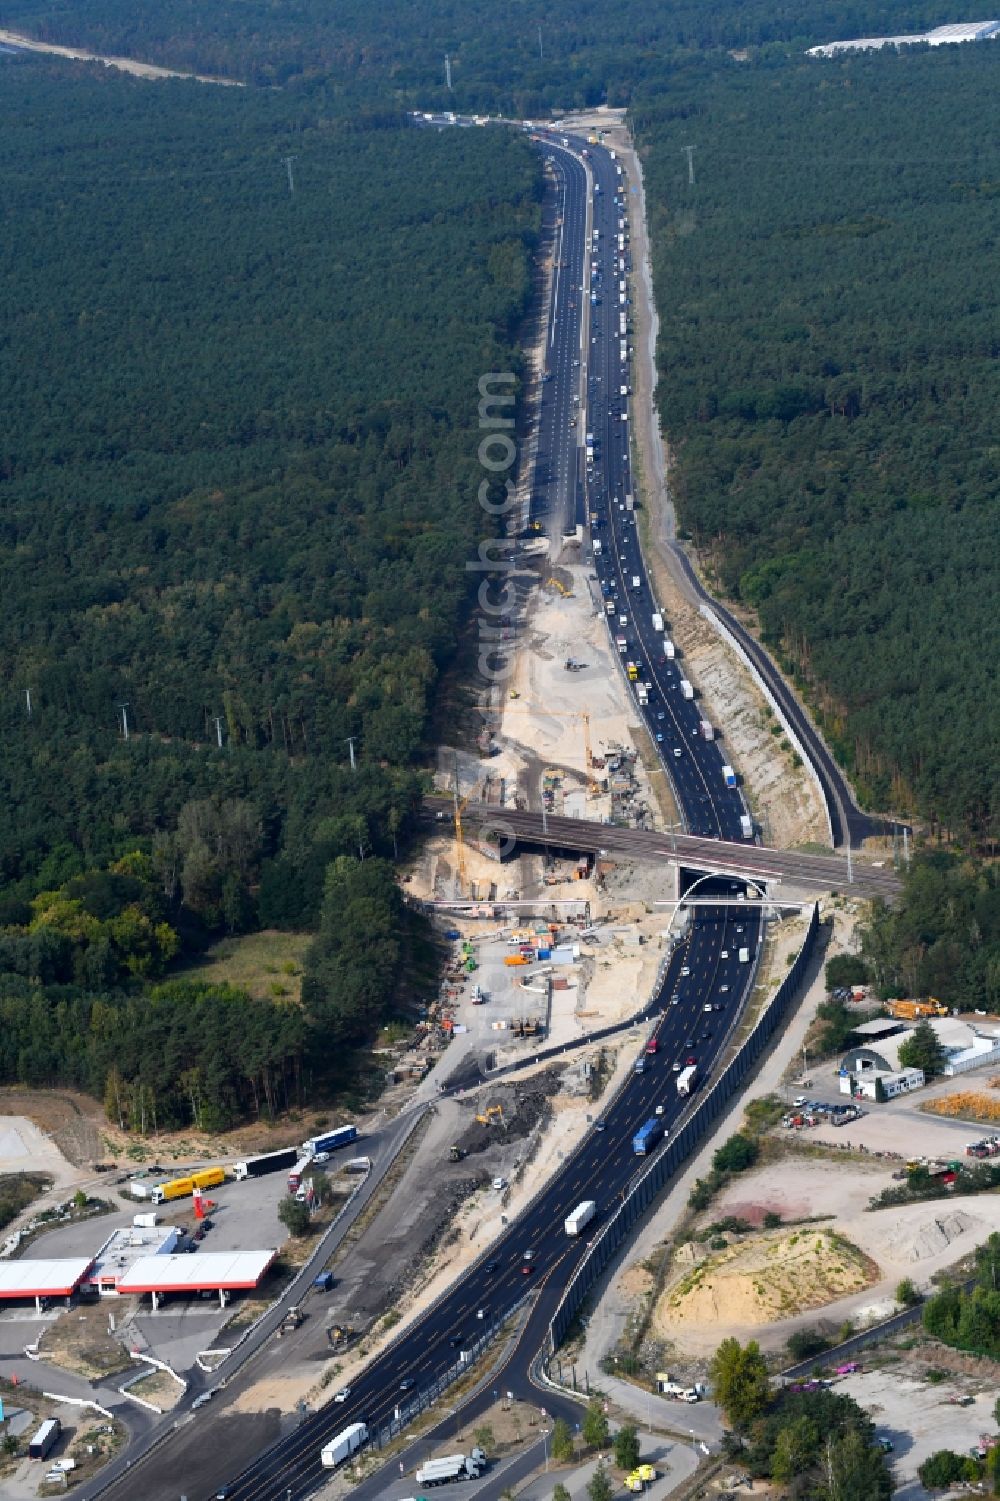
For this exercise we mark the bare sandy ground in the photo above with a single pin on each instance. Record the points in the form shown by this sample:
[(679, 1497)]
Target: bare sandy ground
[(26, 1149), (915, 1240), (124, 64)]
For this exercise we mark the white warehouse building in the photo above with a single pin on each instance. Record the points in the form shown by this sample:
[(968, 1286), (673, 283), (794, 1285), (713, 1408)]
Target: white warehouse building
[(941, 36)]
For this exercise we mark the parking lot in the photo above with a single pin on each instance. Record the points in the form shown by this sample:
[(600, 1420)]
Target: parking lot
[(918, 1418)]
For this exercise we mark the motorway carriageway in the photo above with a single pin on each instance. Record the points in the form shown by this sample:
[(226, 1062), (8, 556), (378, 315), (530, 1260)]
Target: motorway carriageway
[(603, 1165)]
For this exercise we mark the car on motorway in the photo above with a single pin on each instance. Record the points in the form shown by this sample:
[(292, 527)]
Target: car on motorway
[(677, 750), (600, 1125), (660, 714), (408, 1383), (659, 1109), (685, 970), (342, 1395), (659, 737), (723, 989), (491, 1267), (690, 1062), (675, 1067), (724, 954), (689, 1042), (707, 1006), (675, 1000), (455, 1340), (320, 1158)]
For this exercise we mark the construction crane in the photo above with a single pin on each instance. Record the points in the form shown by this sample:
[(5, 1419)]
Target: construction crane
[(460, 803)]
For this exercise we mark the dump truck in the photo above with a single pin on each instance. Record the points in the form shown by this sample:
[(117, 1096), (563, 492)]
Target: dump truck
[(343, 1446), (580, 1217), (452, 1467)]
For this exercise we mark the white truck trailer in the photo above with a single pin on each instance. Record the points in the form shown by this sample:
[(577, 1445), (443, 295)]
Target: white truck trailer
[(686, 1080), (451, 1467), (343, 1446), (580, 1217)]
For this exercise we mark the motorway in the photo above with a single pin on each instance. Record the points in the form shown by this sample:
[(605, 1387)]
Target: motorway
[(705, 982)]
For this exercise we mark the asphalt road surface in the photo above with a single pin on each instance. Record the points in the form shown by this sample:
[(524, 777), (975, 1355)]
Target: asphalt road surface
[(705, 982)]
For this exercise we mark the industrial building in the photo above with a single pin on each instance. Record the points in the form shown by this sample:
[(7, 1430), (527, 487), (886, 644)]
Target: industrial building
[(123, 1249), (872, 1067), (941, 36)]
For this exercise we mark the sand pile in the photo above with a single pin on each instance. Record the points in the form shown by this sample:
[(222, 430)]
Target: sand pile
[(933, 1235), (761, 1278)]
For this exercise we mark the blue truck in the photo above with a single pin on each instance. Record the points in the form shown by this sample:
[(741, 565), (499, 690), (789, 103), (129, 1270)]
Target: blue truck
[(647, 1136), (330, 1141)]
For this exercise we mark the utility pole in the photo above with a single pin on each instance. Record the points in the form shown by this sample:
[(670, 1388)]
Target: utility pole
[(690, 151), (540, 52), (124, 709), (906, 844), (447, 71), (850, 865), (218, 729), (288, 160), (27, 699), (350, 746)]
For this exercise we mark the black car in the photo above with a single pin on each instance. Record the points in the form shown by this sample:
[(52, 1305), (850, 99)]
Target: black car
[(408, 1383), (455, 1340), (491, 1266)]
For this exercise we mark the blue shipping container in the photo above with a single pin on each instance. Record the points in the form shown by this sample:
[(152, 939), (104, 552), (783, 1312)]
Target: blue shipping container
[(646, 1137)]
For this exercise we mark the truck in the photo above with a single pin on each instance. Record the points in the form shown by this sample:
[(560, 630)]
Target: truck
[(621, 644), (45, 1439), (183, 1188), (647, 1136), (705, 729), (746, 826), (343, 1446), (686, 690), (687, 1079), (911, 1010), (636, 581), (452, 1467), (298, 1172), (657, 621), (729, 776), (642, 692), (268, 1162), (622, 325), (329, 1141), (629, 503), (580, 1217), (744, 956), (143, 1221), (633, 672), (669, 649)]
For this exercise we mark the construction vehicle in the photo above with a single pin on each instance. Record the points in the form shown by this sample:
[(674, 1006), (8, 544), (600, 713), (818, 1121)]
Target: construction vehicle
[(451, 1467), (455, 1154), (513, 959), (294, 1318), (491, 1110), (911, 1010), (555, 584)]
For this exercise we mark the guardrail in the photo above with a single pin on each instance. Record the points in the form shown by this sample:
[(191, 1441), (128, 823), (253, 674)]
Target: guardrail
[(674, 1155)]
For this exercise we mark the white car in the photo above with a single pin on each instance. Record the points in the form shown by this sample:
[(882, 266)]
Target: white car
[(685, 971), (320, 1158), (499, 1184), (343, 1394), (707, 1006)]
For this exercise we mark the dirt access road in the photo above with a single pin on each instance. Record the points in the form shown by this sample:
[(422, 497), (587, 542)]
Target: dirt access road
[(123, 64)]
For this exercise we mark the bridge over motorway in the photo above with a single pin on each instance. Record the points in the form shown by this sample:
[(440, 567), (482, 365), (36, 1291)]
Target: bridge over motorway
[(829, 872)]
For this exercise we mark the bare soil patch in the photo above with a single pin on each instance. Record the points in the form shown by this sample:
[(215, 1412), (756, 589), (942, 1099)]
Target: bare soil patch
[(80, 1341), (759, 1279)]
